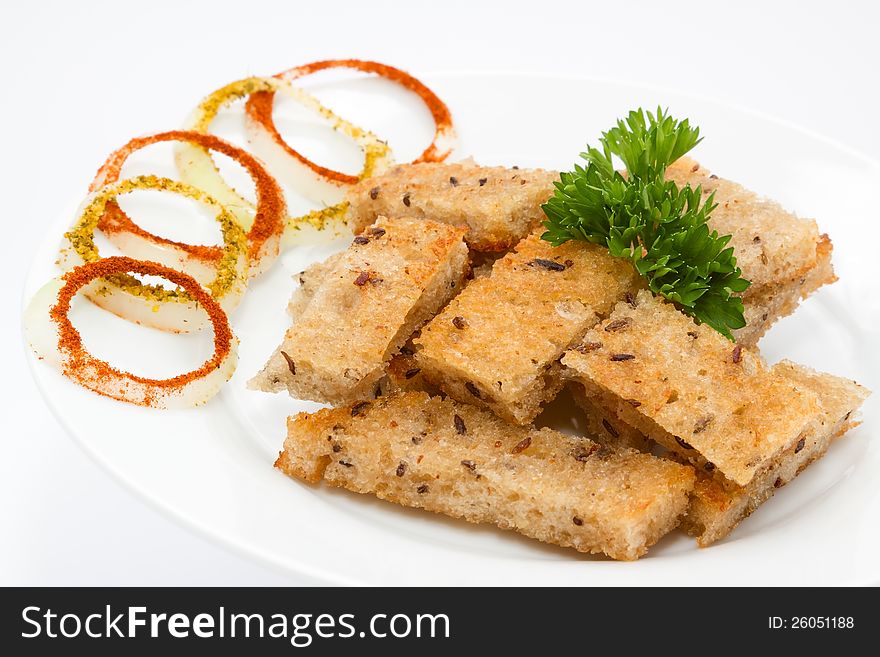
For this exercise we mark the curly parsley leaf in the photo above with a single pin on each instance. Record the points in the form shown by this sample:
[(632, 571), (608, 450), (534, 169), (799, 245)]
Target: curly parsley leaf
[(649, 220)]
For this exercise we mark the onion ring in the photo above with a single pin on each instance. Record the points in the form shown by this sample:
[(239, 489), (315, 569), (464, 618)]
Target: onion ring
[(198, 168), (153, 305), (264, 224), (53, 337), (259, 110)]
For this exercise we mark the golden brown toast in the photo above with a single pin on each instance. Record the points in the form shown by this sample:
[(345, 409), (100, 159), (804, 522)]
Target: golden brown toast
[(395, 276), (716, 404), (785, 257), (497, 344), (498, 206), (717, 507), (452, 458), (772, 246)]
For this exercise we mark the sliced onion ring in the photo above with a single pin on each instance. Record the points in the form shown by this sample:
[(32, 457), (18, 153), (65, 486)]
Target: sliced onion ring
[(153, 305), (260, 105), (198, 168), (271, 146), (53, 337), (264, 223)]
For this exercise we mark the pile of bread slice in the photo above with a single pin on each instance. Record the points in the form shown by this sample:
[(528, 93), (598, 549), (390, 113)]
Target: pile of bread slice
[(447, 326)]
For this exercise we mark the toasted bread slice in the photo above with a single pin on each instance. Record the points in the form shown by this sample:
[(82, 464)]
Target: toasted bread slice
[(687, 387), (497, 343), (497, 205), (385, 286), (718, 507), (456, 459), (777, 251)]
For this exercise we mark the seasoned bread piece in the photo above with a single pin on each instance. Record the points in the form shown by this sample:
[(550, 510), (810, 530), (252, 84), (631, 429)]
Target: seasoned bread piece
[(718, 507), (762, 310), (497, 343), (773, 247), (395, 276), (498, 206), (688, 388), (602, 423), (456, 459)]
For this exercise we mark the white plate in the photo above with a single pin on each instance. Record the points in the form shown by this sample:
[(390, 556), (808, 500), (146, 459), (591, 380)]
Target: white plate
[(211, 468)]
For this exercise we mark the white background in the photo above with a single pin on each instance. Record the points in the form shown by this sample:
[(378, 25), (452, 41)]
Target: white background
[(81, 78)]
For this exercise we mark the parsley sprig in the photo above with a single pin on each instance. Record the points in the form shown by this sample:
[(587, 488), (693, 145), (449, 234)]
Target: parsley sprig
[(642, 216)]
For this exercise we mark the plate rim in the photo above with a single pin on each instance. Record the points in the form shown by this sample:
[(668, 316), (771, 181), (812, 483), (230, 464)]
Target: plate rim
[(301, 567)]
